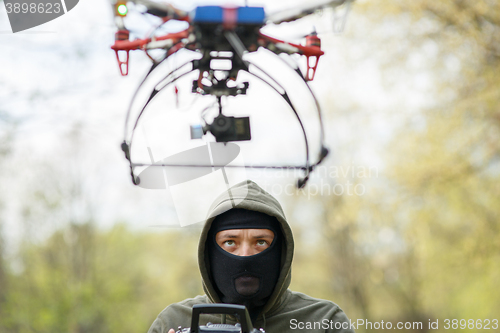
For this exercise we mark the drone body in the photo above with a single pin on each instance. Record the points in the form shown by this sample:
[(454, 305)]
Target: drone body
[(221, 36)]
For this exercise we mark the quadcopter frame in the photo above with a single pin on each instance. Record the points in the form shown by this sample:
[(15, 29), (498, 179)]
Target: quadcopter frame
[(221, 33)]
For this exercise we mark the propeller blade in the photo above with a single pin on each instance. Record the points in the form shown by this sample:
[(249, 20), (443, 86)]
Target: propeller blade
[(293, 14)]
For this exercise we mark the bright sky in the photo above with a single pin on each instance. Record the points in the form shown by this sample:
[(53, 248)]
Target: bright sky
[(61, 83)]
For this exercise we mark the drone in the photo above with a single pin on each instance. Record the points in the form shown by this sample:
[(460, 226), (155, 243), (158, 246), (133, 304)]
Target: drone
[(228, 34)]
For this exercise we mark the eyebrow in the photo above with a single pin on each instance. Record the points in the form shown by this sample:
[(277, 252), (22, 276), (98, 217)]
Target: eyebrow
[(229, 236), (263, 236)]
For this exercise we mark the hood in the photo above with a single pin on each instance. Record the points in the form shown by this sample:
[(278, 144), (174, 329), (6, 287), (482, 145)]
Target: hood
[(248, 195)]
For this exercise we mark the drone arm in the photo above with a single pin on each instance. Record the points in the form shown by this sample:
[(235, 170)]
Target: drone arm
[(300, 12), (169, 39), (290, 48), (172, 42), (310, 51), (163, 10)]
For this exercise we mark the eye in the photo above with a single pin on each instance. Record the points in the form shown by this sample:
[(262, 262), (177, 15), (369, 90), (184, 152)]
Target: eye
[(261, 242), (229, 243)]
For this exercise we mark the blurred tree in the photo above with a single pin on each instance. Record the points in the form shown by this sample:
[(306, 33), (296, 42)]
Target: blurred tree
[(443, 163), (4, 286), (82, 280), (7, 130), (448, 167), (421, 244), (70, 276)]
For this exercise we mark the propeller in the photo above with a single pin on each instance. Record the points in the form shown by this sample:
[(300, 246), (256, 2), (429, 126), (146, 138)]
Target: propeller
[(292, 14)]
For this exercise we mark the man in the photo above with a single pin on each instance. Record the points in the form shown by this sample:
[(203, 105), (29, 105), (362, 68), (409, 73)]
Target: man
[(245, 257)]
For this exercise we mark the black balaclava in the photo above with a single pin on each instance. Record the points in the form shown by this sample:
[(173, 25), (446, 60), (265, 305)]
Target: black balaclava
[(246, 280)]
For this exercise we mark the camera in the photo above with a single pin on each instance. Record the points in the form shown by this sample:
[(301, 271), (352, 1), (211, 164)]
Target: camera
[(225, 129), (238, 311), (230, 128)]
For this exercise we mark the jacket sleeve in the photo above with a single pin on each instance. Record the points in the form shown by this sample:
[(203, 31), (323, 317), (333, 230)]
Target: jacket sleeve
[(158, 327), (339, 323), (173, 316), (177, 315)]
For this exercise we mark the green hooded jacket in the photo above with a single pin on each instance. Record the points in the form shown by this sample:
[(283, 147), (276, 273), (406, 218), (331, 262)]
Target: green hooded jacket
[(286, 310)]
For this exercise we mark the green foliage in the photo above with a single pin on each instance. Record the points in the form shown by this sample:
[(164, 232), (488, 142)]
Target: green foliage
[(423, 242), (440, 197), (81, 280)]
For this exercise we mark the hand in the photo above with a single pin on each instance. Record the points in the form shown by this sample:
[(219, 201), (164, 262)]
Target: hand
[(171, 330)]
